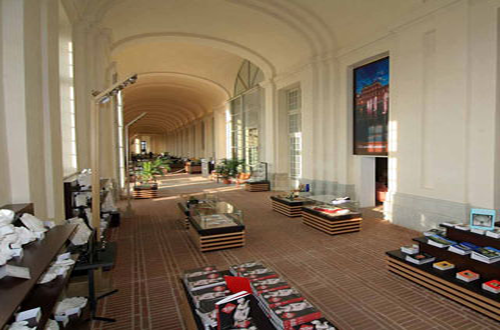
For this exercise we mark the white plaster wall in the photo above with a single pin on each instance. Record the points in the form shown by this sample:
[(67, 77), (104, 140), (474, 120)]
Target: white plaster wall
[(4, 164)]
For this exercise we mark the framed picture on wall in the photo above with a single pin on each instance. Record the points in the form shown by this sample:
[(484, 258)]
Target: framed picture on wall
[(371, 108), (482, 219)]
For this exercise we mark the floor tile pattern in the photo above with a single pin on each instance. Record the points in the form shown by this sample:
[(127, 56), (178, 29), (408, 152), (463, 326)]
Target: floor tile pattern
[(344, 276)]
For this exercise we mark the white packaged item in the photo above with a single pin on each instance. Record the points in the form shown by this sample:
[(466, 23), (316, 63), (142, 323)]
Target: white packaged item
[(6, 217), (33, 223), (34, 313), (21, 325)]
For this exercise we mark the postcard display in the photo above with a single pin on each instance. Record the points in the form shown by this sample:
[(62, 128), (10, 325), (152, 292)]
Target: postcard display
[(259, 179), (458, 263), (332, 215), (216, 225), (268, 303), (33, 280), (288, 205)]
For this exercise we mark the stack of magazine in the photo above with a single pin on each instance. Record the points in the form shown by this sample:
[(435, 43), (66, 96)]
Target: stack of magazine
[(285, 307), (206, 286), (487, 254), (439, 241)]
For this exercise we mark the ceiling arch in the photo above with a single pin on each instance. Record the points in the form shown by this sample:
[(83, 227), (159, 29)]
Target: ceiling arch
[(170, 101)]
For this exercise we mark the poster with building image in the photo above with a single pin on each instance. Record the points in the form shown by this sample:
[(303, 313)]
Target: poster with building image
[(371, 108)]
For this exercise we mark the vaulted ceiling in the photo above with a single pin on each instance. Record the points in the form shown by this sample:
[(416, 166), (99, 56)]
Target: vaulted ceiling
[(187, 52)]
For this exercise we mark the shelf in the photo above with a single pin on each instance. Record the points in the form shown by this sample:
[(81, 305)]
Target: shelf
[(445, 283), (37, 257), (46, 297), (468, 236), (463, 262)]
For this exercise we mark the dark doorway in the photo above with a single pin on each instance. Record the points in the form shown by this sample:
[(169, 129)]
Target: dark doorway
[(380, 179)]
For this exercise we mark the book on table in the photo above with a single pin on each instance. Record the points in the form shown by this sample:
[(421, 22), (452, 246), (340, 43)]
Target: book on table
[(420, 258), (487, 255), (410, 249), (492, 286), (199, 271), (439, 241), (269, 284), (209, 295), (279, 297), (318, 324), (292, 314), (462, 227), (495, 233), (463, 248), (233, 312), (443, 265), (237, 270), (467, 275), (434, 231), (204, 281)]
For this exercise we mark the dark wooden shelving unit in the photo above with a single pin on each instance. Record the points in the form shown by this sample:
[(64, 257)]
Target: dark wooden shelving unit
[(38, 255), (445, 282)]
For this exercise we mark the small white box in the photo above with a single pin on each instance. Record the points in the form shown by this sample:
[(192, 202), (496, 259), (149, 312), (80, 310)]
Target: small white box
[(34, 313), (64, 256)]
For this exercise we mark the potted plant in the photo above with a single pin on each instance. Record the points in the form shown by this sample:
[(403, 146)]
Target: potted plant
[(148, 188), (229, 168), (163, 165)]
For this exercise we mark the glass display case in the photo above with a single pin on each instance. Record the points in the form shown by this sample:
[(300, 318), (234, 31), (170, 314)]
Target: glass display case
[(215, 214), (333, 202)]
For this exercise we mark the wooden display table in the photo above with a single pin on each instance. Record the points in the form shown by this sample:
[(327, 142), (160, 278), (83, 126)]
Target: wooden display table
[(192, 168), (257, 186), (145, 191), (290, 208), (215, 226), (330, 223), (445, 283)]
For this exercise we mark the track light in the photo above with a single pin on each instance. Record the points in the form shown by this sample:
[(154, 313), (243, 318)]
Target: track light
[(115, 89)]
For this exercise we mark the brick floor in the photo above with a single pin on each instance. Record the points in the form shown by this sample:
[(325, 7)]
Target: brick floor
[(344, 275)]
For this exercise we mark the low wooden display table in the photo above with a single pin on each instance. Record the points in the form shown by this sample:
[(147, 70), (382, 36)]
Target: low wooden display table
[(145, 191), (216, 226), (330, 223), (258, 186), (288, 207), (192, 168)]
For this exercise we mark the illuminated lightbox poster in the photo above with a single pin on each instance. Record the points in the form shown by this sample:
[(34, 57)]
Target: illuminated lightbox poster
[(371, 108)]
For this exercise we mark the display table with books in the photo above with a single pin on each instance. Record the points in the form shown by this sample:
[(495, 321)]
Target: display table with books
[(332, 215), (216, 225), (268, 301), (291, 207), (458, 264)]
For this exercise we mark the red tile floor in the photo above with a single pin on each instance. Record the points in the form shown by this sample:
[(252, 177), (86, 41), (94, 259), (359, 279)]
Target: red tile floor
[(343, 275)]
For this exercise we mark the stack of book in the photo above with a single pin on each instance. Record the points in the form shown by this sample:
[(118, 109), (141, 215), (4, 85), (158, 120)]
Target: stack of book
[(495, 233), (434, 231), (443, 265), (420, 258), (206, 286), (319, 324), (487, 254), (463, 248), (284, 305), (463, 227), (253, 271), (439, 241), (467, 276), (410, 249), (492, 286)]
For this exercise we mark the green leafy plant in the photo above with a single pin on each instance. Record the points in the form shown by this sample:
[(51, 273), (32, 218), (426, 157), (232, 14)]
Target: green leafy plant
[(229, 167), (148, 171)]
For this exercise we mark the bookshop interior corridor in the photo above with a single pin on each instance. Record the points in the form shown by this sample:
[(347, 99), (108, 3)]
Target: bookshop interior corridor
[(250, 164)]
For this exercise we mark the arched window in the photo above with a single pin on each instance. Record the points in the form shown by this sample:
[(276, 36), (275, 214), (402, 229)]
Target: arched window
[(244, 119)]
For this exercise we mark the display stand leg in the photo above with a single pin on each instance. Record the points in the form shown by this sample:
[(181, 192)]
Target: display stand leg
[(93, 299)]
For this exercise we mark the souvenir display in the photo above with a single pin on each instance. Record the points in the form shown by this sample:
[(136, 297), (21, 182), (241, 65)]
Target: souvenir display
[(443, 265)]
